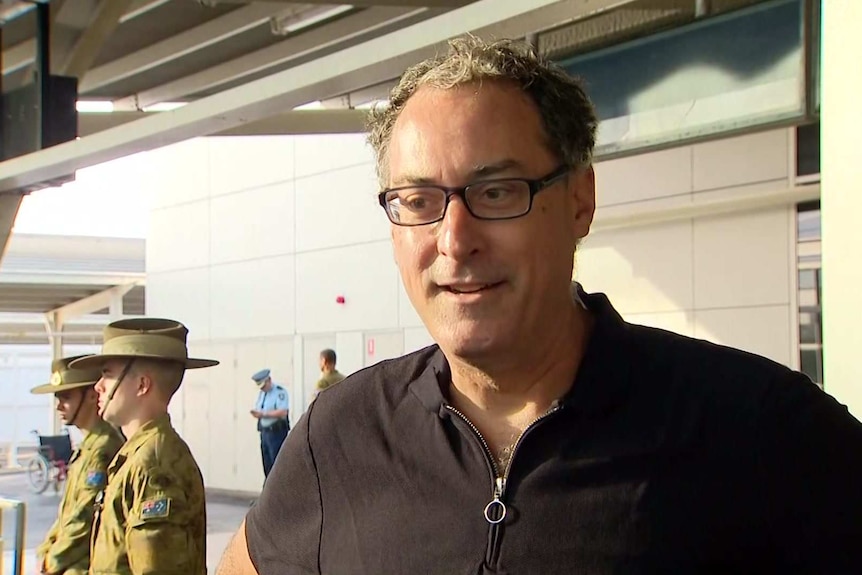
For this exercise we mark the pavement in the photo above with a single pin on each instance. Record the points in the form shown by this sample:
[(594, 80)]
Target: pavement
[(224, 515)]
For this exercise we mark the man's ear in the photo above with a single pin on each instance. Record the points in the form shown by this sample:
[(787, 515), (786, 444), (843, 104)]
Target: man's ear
[(582, 185), (144, 383)]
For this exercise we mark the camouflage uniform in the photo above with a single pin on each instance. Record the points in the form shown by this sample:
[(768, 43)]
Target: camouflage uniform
[(152, 517), (66, 548), (329, 379)]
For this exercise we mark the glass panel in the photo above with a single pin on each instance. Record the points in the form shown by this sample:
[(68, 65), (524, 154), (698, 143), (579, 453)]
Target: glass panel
[(809, 295), (808, 149), (724, 73), (811, 361)]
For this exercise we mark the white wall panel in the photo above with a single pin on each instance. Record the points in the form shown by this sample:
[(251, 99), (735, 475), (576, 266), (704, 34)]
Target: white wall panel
[(644, 177), (243, 162), (338, 208), (326, 152), (742, 259), (348, 348), (365, 275), (179, 237), (253, 224), (761, 330), (183, 295), (743, 160), (643, 270), (254, 298), (178, 174)]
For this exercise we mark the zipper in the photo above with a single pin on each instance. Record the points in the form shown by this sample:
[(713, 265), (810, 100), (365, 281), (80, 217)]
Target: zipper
[(495, 511)]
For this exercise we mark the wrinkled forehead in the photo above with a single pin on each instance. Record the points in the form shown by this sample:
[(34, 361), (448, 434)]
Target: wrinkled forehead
[(445, 133)]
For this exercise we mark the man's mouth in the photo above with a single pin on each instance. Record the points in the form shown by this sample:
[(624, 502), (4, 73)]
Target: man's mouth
[(472, 288)]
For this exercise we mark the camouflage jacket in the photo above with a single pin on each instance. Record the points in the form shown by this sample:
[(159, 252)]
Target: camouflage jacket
[(152, 515), (66, 548)]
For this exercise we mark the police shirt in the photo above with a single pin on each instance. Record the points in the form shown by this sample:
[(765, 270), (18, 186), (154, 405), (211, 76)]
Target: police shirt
[(274, 399)]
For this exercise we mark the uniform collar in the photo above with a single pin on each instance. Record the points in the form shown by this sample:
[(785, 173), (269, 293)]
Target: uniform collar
[(101, 429), (602, 378), (145, 432)]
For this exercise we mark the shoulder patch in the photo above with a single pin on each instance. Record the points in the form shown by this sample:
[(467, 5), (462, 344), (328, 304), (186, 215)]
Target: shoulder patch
[(156, 508), (96, 479), (281, 395)]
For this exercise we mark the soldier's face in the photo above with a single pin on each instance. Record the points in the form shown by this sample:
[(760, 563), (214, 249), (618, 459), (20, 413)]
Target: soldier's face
[(119, 408), (75, 401)]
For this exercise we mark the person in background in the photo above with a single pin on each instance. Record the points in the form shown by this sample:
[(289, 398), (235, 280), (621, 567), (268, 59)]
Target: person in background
[(66, 548), (272, 411), (329, 376)]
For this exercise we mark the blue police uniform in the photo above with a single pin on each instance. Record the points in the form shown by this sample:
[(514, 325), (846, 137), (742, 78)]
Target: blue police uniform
[(273, 431)]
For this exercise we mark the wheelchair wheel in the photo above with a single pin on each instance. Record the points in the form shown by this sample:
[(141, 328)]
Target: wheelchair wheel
[(38, 473)]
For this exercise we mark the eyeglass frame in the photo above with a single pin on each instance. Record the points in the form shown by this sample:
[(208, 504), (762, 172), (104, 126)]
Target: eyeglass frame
[(535, 186)]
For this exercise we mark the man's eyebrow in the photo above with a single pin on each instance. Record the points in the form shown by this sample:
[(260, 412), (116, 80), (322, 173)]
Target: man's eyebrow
[(480, 171)]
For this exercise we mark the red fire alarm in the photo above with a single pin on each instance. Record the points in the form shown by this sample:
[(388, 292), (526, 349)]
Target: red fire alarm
[(340, 299)]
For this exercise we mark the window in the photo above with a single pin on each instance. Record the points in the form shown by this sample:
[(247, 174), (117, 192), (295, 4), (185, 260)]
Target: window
[(809, 298), (720, 74)]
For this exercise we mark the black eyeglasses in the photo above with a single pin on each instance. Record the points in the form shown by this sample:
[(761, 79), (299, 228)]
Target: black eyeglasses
[(502, 199)]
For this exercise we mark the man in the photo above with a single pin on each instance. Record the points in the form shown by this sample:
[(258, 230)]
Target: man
[(151, 517), (66, 548), (329, 376), (542, 434), (271, 411)]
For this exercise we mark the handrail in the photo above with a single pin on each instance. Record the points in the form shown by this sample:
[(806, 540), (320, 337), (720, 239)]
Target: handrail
[(20, 509)]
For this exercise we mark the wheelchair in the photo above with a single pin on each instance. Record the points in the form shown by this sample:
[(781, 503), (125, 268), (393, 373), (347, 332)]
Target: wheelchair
[(51, 462)]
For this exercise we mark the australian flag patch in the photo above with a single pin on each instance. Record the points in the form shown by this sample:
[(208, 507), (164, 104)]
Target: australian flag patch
[(155, 508), (95, 479)]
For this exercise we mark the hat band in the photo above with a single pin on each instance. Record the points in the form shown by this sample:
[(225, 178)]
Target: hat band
[(146, 344)]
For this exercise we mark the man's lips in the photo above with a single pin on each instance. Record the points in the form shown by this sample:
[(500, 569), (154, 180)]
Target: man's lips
[(468, 288)]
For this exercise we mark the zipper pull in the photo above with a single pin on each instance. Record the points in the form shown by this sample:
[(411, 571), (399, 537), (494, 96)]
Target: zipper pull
[(495, 511)]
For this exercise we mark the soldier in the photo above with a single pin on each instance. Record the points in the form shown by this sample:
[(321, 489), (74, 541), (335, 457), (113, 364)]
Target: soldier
[(151, 517), (66, 548), (329, 376)]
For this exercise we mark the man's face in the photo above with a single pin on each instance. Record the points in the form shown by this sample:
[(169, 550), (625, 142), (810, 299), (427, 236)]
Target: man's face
[(122, 406), (267, 384), (484, 288), (69, 401)]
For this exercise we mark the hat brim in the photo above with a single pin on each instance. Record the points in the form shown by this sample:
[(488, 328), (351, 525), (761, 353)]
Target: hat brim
[(51, 388), (92, 361)]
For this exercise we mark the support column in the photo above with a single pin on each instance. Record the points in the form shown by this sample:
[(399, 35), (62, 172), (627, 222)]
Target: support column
[(54, 325), (841, 200)]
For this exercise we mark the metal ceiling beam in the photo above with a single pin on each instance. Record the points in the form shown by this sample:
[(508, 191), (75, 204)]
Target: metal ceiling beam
[(290, 123), (24, 53), (175, 47), (360, 3), (9, 204), (68, 279), (96, 302), (291, 49), (369, 63), (102, 26)]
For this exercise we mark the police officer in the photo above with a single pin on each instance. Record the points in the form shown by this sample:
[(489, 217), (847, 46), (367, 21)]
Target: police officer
[(151, 517), (271, 411), (66, 548)]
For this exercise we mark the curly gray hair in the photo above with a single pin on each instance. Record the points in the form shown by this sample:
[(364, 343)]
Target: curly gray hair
[(567, 114)]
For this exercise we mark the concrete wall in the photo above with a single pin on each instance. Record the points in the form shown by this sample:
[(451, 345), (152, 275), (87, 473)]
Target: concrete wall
[(252, 240)]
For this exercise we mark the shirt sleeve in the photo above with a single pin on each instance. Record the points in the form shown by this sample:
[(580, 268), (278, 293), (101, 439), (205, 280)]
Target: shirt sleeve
[(160, 534), (282, 400), (280, 546), (71, 542), (810, 451)]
